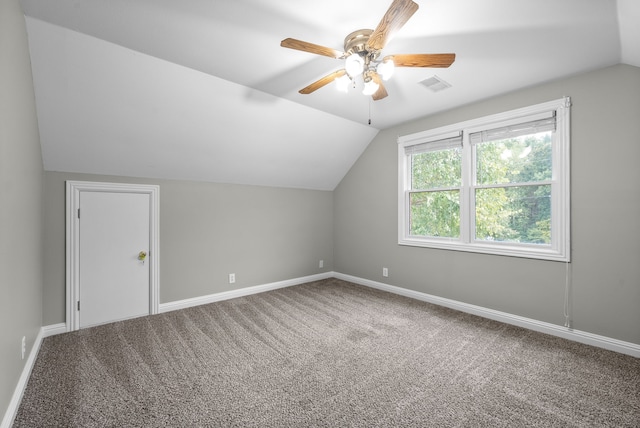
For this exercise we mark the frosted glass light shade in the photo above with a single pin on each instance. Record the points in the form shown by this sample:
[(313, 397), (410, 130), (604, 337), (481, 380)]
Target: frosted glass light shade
[(386, 69), (354, 65), (342, 83), (370, 88)]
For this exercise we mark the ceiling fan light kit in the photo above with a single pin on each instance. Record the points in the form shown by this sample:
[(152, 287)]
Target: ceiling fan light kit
[(354, 65), (342, 83), (362, 49), (386, 68), (370, 85)]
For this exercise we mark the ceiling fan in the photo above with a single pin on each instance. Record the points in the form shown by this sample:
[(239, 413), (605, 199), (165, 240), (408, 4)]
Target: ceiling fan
[(362, 50)]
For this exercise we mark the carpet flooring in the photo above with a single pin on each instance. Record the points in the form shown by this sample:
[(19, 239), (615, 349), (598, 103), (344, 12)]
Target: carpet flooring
[(325, 354)]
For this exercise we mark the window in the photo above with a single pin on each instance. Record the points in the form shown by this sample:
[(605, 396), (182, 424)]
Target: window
[(497, 185)]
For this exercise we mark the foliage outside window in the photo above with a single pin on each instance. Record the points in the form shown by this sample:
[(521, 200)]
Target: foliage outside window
[(498, 184)]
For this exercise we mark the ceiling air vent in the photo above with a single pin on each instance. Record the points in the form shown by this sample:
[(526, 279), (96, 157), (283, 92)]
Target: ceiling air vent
[(435, 83)]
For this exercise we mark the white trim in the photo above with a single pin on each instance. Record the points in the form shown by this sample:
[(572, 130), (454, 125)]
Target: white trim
[(232, 294), (72, 241), (54, 329), (16, 398), (558, 250), (599, 341), (605, 342)]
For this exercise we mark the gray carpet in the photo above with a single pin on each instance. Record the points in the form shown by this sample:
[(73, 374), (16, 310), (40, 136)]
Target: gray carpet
[(325, 354)]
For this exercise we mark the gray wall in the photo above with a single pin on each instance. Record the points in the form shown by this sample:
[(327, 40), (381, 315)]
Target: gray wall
[(605, 216), (20, 202), (262, 234)]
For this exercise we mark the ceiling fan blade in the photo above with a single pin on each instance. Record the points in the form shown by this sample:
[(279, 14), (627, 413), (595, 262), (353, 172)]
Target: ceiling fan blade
[(422, 60), (322, 82), (311, 48), (396, 16), (381, 92)]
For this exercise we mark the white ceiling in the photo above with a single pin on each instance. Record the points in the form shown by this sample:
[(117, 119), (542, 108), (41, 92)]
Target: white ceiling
[(202, 90)]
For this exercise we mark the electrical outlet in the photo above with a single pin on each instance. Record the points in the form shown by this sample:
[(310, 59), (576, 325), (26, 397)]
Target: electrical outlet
[(232, 278), (24, 346), (321, 264), (385, 272)]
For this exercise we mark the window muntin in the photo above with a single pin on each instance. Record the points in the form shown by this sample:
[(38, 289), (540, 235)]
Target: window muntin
[(496, 185)]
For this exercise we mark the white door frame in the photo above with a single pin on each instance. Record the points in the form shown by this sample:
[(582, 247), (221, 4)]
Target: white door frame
[(73, 242)]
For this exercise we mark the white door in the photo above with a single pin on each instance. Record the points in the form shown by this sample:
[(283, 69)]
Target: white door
[(113, 277)]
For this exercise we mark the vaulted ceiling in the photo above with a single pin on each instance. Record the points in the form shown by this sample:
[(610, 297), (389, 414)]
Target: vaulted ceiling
[(202, 90)]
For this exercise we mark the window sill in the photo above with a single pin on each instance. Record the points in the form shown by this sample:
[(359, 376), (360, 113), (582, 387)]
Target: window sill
[(529, 251)]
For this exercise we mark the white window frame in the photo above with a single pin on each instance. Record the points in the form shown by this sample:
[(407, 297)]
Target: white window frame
[(559, 249)]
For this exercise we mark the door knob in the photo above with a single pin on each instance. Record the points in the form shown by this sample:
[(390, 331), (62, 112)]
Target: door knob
[(142, 255)]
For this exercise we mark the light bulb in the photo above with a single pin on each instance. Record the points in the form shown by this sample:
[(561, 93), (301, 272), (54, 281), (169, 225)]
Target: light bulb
[(342, 83), (354, 65), (386, 69), (370, 87)]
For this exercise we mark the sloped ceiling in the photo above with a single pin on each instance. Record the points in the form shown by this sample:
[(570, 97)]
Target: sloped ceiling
[(201, 89)]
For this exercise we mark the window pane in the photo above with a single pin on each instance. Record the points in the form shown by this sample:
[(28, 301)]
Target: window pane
[(433, 170), (514, 214), (515, 160), (435, 214)]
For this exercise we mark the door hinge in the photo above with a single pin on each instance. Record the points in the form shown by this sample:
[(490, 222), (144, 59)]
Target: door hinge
[(78, 304), (78, 212)]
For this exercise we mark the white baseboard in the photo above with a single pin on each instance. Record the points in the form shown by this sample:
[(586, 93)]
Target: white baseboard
[(14, 404), (616, 345), (605, 342), (226, 295), (53, 329)]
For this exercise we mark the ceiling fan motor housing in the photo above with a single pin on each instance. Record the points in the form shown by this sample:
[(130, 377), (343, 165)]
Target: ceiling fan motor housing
[(356, 42)]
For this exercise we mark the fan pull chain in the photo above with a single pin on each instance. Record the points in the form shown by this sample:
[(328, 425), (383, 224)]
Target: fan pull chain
[(369, 111)]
